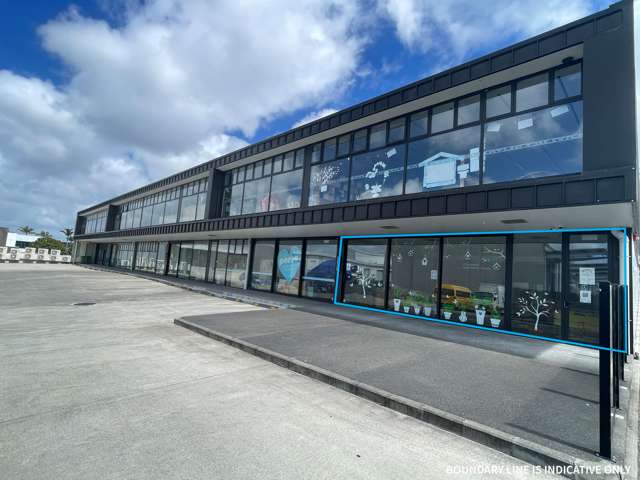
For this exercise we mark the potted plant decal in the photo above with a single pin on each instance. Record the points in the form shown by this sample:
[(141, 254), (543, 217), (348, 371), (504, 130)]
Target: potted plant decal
[(406, 303), (537, 305), (447, 310), (480, 313), (397, 300), (465, 306), (495, 316), (427, 306)]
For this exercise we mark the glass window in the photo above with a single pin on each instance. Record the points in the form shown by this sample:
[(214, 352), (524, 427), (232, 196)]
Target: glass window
[(235, 202), (319, 276), (161, 259), (277, 164), (344, 145), (137, 214), (364, 276), (537, 284), (532, 92), (237, 264), (171, 211), (299, 163), (396, 130), (329, 152), (360, 141), (442, 118), (256, 196), (174, 256), (199, 260), (447, 160), (377, 174), (241, 174), (262, 264), (473, 280), (316, 151), (378, 136), (186, 255), (419, 123), (267, 167), (498, 101), (213, 250), (221, 261), (288, 266), (288, 161), (469, 110), (413, 275), (257, 169), (532, 145), (202, 205), (145, 220), (188, 208), (329, 182), (286, 190), (567, 82), (588, 266), (157, 216)]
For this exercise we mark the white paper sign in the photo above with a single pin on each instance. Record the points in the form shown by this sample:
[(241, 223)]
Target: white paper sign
[(474, 159), (434, 274), (587, 276), (585, 296)]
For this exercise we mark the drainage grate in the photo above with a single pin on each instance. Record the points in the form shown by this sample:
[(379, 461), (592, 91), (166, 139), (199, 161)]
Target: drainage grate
[(82, 304)]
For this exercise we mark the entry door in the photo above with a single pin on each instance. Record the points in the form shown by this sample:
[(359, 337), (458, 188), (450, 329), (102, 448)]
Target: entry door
[(588, 264), (174, 257)]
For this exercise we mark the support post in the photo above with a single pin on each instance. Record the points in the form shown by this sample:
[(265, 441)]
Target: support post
[(605, 369)]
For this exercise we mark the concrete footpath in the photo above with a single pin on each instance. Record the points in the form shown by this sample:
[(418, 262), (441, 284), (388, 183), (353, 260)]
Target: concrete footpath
[(115, 390)]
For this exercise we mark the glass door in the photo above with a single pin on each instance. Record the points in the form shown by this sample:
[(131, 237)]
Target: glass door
[(174, 256), (588, 265)]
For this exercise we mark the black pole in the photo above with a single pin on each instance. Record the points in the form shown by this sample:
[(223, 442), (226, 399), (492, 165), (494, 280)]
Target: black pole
[(605, 372)]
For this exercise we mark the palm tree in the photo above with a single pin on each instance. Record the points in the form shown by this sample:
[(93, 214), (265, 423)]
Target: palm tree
[(26, 230), (68, 233)]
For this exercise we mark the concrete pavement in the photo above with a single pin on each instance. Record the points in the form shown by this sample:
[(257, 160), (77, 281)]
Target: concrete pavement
[(115, 390)]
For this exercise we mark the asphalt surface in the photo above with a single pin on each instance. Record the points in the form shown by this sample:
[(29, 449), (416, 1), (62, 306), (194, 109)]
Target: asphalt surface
[(115, 390), (549, 395)]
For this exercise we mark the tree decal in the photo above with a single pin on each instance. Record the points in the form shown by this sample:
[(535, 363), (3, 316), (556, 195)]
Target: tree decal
[(537, 305)]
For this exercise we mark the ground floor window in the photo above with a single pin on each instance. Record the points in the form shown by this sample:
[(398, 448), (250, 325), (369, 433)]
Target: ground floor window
[(288, 266), (319, 277), (364, 276), (262, 265), (186, 256), (199, 260), (238, 253)]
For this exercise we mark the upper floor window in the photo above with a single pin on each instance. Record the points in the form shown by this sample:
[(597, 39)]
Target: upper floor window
[(498, 101), (532, 92), (567, 82)]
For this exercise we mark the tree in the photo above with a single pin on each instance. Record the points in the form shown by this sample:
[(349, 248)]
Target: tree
[(68, 234), (27, 230), (537, 305), (50, 243), (45, 234)]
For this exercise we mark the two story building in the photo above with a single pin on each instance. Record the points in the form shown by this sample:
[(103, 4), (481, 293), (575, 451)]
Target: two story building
[(496, 193)]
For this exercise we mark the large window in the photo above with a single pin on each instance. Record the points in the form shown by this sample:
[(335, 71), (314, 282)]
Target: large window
[(161, 259), (537, 284), (413, 275), (473, 276), (286, 190), (364, 282), (221, 261), (377, 174), (186, 256), (237, 264), (319, 276), (174, 256), (96, 222), (199, 261), (213, 251), (262, 264), (288, 264), (442, 161), (537, 144), (146, 256), (329, 182), (256, 196)]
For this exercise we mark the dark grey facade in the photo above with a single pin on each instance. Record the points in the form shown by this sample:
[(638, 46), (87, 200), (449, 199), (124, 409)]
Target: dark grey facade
[(537, 136)]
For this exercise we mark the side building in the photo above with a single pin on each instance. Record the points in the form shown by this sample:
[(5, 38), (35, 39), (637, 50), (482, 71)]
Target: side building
[(496, 193)]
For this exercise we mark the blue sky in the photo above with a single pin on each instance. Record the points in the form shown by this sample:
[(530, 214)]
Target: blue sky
[(100, 96)]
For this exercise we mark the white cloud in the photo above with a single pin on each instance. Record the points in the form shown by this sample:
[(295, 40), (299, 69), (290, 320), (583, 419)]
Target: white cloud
[(159, 93), (453, 28), (325, 112)]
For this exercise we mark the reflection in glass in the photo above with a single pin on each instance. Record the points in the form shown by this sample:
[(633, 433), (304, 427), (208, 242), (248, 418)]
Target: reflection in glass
[(413, 275), (532, 145), (442, 118), (235, 200), (319, 276), (186, 254), (161, 259), (567, 82), (288, 264), (157, 216), (171, 211), (256, 196), (532, 92), (199, 260), (188, 208), (473, 280), (498, 101), (286, 190), (237, 263), (360, 140), (396, 130), (221, 261), (378, 136), (329, 182), (419, 123), (364, 282), (174, 255), (537, 284), (213, 250), (469, 110), (377, 174), (262, 264), (443, 161)]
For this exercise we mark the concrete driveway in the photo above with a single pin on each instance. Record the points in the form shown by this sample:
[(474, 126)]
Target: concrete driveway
[(115, 390)]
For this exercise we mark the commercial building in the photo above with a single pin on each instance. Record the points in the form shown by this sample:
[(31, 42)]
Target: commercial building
[(496, 193)]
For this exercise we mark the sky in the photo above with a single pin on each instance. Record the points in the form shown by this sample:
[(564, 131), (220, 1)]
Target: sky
[(98, 97)]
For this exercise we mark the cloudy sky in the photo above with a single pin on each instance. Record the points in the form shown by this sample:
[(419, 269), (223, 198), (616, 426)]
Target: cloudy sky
[(98, 97)]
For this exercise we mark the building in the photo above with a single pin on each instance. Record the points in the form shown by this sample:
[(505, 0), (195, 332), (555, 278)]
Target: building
[(18, 240), (496, 193)]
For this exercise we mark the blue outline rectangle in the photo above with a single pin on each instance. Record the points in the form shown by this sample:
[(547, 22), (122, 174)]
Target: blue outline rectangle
[(479, 327)]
